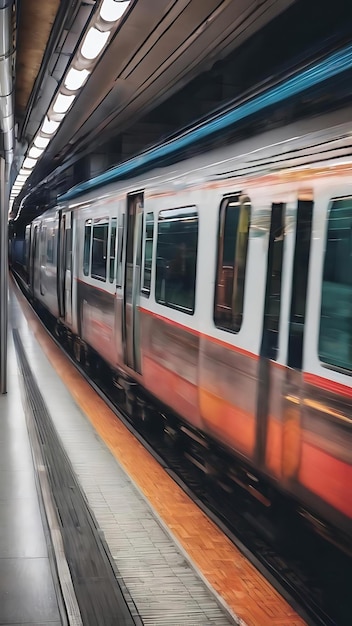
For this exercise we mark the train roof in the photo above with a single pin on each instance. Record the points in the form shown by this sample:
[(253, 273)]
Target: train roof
[(314, 142), (312, 76)]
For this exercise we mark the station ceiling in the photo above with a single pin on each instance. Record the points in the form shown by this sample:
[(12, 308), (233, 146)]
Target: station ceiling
[(167, 64), (155, 49)]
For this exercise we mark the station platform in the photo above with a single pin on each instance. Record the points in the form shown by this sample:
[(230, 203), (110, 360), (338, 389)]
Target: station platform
[(93, 530)]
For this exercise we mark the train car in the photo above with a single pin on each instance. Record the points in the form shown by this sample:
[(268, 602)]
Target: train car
[(222, 286)]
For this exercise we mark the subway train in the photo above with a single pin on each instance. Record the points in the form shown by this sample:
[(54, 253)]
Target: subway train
[(221, 287)]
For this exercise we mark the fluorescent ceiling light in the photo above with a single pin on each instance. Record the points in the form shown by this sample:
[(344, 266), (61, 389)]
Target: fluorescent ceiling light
[(35, 153), (63, 103), (29, 163), (24, 172), (50, 126), (41, 142), (76, 78), (21, 179), (93, 43), (111, 11)]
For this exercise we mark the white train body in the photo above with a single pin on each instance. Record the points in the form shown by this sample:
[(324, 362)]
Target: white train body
[(253, 349)]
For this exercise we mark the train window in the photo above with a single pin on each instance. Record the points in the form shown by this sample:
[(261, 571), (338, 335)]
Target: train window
[(148, 252), (234, 223), (99, 248), (87, 242), (177, 258), (335, 338), (112, 249)]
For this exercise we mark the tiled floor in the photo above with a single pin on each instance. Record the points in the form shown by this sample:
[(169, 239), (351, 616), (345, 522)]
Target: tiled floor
[(27, 593), (164, 587)]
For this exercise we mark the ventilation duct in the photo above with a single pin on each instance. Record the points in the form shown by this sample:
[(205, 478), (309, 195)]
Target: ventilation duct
[(7, 120)]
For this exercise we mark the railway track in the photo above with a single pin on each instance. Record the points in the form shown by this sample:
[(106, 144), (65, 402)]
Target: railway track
[(314, 576)]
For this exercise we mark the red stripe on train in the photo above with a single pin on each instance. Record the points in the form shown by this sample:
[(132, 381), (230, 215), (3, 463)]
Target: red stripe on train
[(329, 385)]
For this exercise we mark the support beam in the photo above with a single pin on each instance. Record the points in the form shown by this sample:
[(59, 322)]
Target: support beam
[(3, 277)]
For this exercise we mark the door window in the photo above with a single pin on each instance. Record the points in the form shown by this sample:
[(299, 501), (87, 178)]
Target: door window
[(335, 338), (99, 248), (86, 250), (148, 252), (112, 260), (234, 224)]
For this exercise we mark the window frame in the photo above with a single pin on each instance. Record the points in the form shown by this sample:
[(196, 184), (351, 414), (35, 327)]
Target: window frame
[(100, 221), (112, 277), (87, 251), (326, 365), (241, 198), (145, 290), (190, 209), (50, 240)]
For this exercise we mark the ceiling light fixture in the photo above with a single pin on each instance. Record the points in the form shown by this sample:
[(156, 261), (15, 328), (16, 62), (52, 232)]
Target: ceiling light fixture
[(41, 142), (29, 163), (63, 103), (111, 11), (50, 126), (93, 43), (35, 153), (75, 79)]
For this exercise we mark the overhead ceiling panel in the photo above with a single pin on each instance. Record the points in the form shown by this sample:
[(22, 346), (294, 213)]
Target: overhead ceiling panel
[(157, 51), (158, 48), (36, 20)]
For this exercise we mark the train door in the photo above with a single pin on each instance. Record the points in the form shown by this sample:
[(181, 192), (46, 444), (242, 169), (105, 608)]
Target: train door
[(64, 266), (281, 351), (133, 239)]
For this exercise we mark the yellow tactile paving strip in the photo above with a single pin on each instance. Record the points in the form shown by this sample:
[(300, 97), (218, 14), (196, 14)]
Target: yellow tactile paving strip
[(242, 587)]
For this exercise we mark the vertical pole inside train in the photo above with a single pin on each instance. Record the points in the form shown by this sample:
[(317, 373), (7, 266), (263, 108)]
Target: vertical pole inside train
[(3, 278)]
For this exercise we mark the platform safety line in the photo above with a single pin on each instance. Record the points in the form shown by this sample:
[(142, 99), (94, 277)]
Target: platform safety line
[(63, 572)]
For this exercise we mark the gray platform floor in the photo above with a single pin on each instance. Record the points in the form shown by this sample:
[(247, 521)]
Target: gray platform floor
[(165, 588), (27, 592)]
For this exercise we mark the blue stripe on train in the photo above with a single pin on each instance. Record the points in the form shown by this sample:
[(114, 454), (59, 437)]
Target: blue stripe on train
[(333, 65)]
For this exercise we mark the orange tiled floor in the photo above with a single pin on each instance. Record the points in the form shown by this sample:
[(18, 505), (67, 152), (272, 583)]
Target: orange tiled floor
[(242, 587)]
